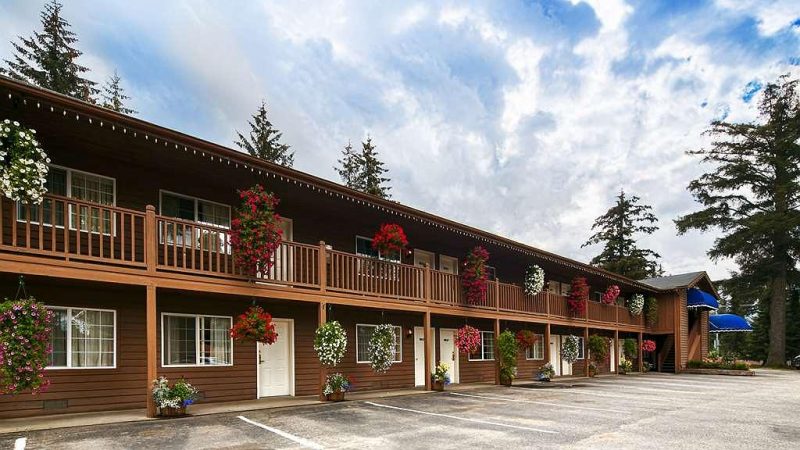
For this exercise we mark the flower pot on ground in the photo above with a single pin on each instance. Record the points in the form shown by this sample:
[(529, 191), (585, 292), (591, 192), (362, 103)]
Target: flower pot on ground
[(439, 377), (625, 366), (592, 369), (598, 350), (172, 400), (546, 372), (336, 385), (507, 349)]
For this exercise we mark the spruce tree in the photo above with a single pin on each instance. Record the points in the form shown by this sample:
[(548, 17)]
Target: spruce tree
[(372, 170), (113, 95), (49, 58), (349, 167), (616, 230), (264, 140), (740, 295), (752, 195), (793, 324)]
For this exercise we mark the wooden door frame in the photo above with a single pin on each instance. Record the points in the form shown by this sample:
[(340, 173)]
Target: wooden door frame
[(456, 372)]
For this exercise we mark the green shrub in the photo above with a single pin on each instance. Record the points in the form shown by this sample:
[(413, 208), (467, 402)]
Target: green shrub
[(507, 348), (630, 349), (651, 311), (598, 348), (695, 364)]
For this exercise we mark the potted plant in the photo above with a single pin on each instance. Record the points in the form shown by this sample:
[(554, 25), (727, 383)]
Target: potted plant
[(255, 325), (636, 304), (255, 232), (475, 277), (625, 366), (648, 346), (598, 350), (578, 296), (389, 240), (546, 372), (381, 347), (534, 280), (330, 343), (507, 350), (609, 297), (439, 377), (23, 164), (172, 401), (592, 369), (468, 339), (336, 385), (569, 349), (25, 327)]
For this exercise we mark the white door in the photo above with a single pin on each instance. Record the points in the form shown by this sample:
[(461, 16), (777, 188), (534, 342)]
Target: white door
[(276, 362), (448, 353), (419, 356), (612, 357), (424, 259), (555, 353), (448, 264)]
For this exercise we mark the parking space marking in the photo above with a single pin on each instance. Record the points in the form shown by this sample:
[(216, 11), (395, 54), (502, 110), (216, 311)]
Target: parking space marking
[(304, 442), (557, 405), (661, 390), (465, 419), (20, 443)]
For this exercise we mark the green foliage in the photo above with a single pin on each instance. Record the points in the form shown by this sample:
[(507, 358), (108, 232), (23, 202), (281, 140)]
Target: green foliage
[(113, 95), (616, 229), (264, 140), (651, 311), (381, 347), (625, 366), (507, 349), (598, 348), (25, 327), (48, 58), (630, 349), (330, 343), (694, 364), (569, 349), (751, 193), (363, 171), (793, 324)]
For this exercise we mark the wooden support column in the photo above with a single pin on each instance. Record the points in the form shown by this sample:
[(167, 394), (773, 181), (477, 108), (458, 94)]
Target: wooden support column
[(322, 318), (152, 357), (547, 343), (616, 352), (150, 242), (322, 268), (586, 350), (496, 353), (428, 349), (641, 365)]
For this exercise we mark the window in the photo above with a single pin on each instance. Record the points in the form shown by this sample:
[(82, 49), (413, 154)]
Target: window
[(486, 350), (82, 338), (77, 185), (364, 333), (537, 350), (580, 347), (598, 296), (364, 248), (195, 340), (195, 209)]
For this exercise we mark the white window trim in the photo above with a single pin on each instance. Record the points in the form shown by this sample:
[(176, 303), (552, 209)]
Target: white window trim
[(380, 257), (581, 349), (399, 333), (69, 339), (532, 353), (194, 199), (470, 358), (196, 337)]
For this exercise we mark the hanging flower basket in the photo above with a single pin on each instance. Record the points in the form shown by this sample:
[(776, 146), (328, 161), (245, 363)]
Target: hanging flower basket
[(390, 239), (23, 164), (578, 296), (534, 280), (648, 345), (475, 277), (330, 343), (25, 327), (569, 349), (468, 339), (255, 325), (651, 311), (256, 232), (636, 304), (526, 339), (610, 295), (381, 347)]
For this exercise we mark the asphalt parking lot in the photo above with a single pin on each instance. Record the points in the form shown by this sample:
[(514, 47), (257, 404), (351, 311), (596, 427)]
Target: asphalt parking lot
[(641, 411)]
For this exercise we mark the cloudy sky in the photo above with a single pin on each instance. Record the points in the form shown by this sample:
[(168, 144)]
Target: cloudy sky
[(522, 118)]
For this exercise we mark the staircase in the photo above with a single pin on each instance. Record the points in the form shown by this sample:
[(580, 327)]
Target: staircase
[(666, 356)]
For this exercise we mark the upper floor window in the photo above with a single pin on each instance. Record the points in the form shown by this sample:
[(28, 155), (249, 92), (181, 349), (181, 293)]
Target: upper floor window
[(195, 209), (364, 248), (82, 338)]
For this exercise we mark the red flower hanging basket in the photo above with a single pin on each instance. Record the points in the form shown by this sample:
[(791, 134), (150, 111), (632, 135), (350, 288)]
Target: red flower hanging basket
[(475, 277), (526, 339), (255, 232), (648, 345), (255, 325), (468, 339), (390, 239), (578, 296), (610, 295)]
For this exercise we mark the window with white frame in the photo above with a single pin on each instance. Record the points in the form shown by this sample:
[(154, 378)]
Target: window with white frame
[(83, 186), (364, 248), (536, 351), (485, 351), (196, 340), (363, 335), (82, 338), (195, 210), (580, 347)]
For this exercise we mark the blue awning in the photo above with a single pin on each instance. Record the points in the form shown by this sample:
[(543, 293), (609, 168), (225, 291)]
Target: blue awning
[(727, 323), (697, 299)]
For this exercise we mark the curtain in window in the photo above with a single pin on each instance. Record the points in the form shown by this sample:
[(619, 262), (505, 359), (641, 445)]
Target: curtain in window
[(92, 343), (215, 341), (58, 338), (181, 339)]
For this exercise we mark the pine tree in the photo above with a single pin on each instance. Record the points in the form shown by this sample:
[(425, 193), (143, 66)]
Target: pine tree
[(264, 141), (740, 295), (114, 97), (372, 170), (752, 194), (793, 324), (349, 167), (49, 59), (616, 230)]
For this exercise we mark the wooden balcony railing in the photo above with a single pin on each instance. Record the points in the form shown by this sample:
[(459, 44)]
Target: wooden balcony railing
[(72, 230)]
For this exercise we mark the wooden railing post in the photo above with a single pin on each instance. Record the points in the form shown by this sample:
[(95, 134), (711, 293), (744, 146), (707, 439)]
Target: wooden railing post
[(496, 294), (323, 266), (547, 311), (426, 285), (150, 241)]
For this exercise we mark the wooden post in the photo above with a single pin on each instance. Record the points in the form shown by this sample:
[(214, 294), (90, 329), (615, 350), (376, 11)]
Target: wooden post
[(322, 317), (152, 362), (547, 343), (426, 284), (678, 329), (641, 365), (323, 267), (496, 296), (496, 352), (426, 324), (586, 349), (616, 352), (150, 241)]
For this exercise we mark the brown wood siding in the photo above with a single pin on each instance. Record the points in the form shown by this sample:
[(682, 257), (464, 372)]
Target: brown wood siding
[(704, 334), (469, 371), (684, 330)]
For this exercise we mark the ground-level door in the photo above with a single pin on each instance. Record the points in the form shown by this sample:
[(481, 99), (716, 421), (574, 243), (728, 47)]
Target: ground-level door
[(448, 353), (555, 353), (419, 355), (276, 362), (612, 359)]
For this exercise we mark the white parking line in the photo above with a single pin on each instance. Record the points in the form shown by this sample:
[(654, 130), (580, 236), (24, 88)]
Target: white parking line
[(304, 442), (661, 390), (20, 443), (557, 405), (465, 419)]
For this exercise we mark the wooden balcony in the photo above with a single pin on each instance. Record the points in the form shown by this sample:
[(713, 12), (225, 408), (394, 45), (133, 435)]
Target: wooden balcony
[(74, 231)]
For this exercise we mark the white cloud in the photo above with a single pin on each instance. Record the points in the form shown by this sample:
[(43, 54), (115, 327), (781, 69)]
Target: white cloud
[(771, 15)]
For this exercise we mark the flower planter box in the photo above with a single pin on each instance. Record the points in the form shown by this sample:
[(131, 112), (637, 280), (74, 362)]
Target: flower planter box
[(168, 411), (437, 386), (741, 373), (335, 397)]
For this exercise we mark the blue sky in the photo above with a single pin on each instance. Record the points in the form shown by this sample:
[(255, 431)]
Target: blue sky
[(523, 118)]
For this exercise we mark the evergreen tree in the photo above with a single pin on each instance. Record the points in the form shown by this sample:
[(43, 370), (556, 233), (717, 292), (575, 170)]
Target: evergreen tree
[(349, 167), (264, 141), (752, 195), (793, 324), (740, 295), (616, 229), (372, 171), (758, 341), (49, 58), (114, 95)]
